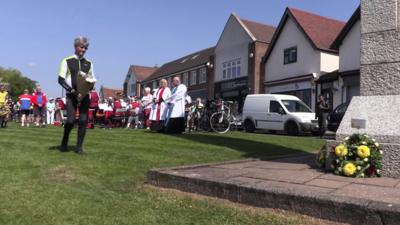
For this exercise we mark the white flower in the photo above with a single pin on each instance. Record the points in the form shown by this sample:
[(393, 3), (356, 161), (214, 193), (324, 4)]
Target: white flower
[(362, 175), (337, 160), (340, 169), (373, 140), (347, 138), (364, 143), (381, 152), (378, 171), (376, 144), (366, 159), (358, 167)]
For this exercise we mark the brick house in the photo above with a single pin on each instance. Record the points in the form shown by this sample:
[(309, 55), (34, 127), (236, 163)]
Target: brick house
[(195, 71), (344, 83), (299, 53), (105, 93), (136, 74), (238, 56)]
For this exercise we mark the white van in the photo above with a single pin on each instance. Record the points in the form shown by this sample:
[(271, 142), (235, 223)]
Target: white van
[(278, 113)]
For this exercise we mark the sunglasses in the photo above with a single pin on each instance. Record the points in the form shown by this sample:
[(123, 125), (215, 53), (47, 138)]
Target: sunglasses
[(84, 47)]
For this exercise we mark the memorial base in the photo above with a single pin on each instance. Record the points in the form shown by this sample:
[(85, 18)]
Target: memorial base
[(382, 116)]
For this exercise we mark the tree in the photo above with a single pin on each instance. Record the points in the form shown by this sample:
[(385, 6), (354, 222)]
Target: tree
[(17, 82)]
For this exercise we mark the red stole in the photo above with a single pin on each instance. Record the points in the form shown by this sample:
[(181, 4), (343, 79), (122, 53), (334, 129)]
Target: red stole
[(159, 95)]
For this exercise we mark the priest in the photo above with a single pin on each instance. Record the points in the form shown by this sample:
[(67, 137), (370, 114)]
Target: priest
[(159, 107), (175, 123)]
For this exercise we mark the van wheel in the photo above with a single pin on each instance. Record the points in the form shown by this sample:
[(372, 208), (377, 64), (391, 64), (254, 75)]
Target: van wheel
[(249, 126), (292, 129), (315, 133)]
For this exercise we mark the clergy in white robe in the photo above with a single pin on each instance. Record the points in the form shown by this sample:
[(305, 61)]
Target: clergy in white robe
[(176, 108), (159, 107)]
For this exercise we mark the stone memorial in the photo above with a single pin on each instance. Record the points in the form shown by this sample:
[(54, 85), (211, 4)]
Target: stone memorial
[(378, 107)]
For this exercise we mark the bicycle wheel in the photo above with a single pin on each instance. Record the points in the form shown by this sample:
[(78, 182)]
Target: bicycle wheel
[(219, 122), (205, 123)]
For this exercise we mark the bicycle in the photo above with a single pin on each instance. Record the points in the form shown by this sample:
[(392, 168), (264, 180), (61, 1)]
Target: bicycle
[(222, 120)]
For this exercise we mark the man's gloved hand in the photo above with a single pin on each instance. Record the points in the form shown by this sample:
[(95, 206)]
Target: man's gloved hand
[(74, 92)]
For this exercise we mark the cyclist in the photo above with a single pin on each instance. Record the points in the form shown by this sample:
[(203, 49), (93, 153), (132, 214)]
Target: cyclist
[(72, 67)]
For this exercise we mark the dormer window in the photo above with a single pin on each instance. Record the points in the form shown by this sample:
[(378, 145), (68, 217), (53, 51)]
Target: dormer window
[(290, 55)]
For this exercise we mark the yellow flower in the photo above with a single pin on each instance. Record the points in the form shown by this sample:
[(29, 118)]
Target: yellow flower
[(349, 169), (363, 151), (341, 150)]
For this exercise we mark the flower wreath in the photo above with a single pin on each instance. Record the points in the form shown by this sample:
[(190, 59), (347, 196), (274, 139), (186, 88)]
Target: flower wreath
[(357, 156)]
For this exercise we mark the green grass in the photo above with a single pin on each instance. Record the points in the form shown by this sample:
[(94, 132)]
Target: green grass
[(107, 185)]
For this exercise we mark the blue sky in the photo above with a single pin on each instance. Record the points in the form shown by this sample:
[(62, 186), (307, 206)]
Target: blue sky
[(36, 35)]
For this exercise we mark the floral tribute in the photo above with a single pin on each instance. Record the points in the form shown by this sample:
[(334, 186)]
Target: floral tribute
[(357, 156)]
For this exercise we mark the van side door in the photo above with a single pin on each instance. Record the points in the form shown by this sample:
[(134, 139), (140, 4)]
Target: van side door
[(275, 117)]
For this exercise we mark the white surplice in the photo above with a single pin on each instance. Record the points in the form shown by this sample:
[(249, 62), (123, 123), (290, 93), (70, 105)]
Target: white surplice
[(159, 110), (177, 102)]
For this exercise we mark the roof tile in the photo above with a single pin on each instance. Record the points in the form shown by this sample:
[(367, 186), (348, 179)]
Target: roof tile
[(321, 30), (183, 63), (261, 32)]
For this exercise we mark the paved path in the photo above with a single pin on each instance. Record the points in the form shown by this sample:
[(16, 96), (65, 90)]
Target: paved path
[(293, 184)]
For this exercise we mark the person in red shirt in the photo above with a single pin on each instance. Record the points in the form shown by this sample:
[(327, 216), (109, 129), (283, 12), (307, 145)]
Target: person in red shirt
[(134, 108), (39, 103), (60, 106), (94, 101), (25, 102), (93, 108)]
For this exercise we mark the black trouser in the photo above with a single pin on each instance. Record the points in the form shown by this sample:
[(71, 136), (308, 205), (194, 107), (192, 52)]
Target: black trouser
[(72, 105), (322, 124)]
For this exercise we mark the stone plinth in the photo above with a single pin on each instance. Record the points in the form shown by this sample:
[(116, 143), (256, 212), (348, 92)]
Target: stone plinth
[(380, 47), (382, 115), (379, 103)]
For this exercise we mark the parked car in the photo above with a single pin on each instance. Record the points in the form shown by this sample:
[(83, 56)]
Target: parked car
[(336, 116), (275, 112)]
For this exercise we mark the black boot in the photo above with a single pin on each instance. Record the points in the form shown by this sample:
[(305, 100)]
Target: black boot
[(81, 137), (64, 142)]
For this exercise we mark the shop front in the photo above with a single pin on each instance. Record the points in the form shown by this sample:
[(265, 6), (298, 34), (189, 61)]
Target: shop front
[(302, 90), (233, 90)]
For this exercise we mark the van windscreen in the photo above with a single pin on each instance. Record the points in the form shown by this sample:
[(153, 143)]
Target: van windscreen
[(296, 106)]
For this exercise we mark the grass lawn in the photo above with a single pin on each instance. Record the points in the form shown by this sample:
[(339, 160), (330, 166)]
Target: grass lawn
[(107, 185)]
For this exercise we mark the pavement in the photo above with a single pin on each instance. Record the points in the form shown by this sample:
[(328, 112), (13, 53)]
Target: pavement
[(292, 183)]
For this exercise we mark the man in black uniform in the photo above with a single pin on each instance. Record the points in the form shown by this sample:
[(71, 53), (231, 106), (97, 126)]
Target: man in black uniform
[(72, 67), (322, 113)]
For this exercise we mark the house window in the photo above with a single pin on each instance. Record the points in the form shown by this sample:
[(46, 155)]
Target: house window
[(154, 85), (193, 77), (132, 89), (290, 55), (169, 80), (185, 78), (231, 69), (203, 76)]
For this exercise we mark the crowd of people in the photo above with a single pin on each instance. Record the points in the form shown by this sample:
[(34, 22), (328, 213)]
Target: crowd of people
[(166, 109), (151, 111)]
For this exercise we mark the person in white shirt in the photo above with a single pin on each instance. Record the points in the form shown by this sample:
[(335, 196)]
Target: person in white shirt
[(175, 123), (51, 108), (159, 107), (147, 100)]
